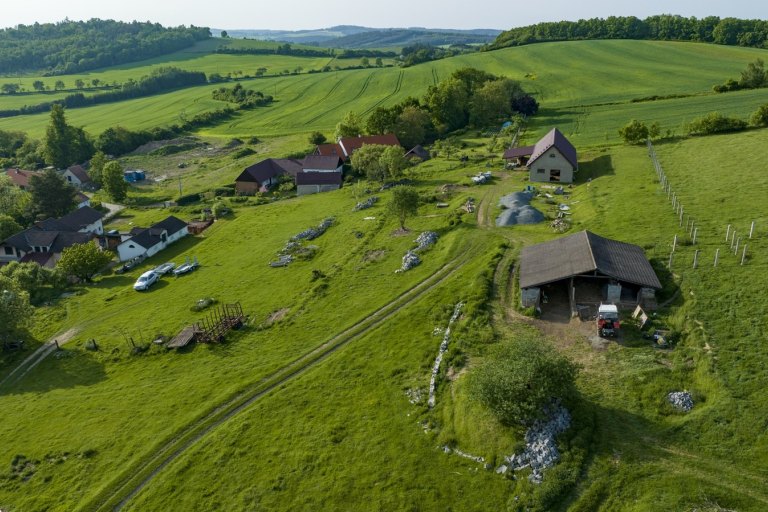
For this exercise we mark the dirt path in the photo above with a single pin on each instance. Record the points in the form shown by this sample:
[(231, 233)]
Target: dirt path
[(135, 478), (37, 357)]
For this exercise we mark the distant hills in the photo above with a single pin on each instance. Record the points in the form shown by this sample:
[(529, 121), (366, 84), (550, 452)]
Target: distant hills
[(352, 36)]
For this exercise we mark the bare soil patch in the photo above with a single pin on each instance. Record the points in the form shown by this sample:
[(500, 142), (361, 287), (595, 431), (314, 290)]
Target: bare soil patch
[(374, 255), (276, 316)]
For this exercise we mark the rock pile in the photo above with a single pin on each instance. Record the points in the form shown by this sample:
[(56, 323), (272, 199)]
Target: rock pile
[(294, 248), (312, 233), (364, 205), (423, 242), (426, 240), (681, 400), (540, 446), (441, 352), (410, 260), (415, 395), (448, 449)]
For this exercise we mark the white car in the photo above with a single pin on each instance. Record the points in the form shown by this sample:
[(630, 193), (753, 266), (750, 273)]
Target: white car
[(146, 280)]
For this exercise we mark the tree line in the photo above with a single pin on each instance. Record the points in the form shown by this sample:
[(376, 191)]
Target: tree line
[(282, 49), (75, 46), (245, 98), (665, 27), (160, 80)]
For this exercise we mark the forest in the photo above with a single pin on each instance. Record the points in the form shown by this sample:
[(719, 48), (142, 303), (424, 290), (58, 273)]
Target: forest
[(77, 46), (665, 27)]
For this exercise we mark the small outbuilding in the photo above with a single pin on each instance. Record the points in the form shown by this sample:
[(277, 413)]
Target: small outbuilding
[(316, 182), (589, 269), (552, 159)]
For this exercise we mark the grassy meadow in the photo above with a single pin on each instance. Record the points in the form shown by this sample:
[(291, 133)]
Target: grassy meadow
[(306, 407)]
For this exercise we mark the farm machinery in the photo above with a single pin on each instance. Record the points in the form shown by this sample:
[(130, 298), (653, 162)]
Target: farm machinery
[(608, 320)]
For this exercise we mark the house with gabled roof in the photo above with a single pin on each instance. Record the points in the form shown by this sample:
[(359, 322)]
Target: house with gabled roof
[(320, 163), (552, 159), (45, 240), (260, 176), (351, 144), (77, 176), (146, 242), (20, 177), (316, 182)]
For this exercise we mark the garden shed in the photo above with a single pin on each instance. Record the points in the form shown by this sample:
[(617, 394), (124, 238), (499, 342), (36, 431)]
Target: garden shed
[(586, 268)]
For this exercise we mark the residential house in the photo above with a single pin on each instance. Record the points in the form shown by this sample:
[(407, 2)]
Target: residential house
[(319, 163), (552, 159), (146, 242), (44, 242), (418, 152), (261, 176), (82, 200), (19, 177), (331, 149), (315, 182), (351, 144), (77, 176)]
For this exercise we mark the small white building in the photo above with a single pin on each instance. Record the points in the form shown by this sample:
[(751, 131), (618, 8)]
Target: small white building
[(146, 242), (77, 176), (553, 159)]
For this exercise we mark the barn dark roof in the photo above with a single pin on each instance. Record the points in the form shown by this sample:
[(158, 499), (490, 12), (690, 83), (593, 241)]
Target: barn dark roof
[(270, 168), (327, 163), (152, 236), (80, 218), (318, 178), (582, 253), (518, 152), (556, 139), (419, 152)]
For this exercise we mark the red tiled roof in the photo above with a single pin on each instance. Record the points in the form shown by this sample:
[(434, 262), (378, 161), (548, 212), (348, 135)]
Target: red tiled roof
[(19, 177), (329, 150), (350, 144)]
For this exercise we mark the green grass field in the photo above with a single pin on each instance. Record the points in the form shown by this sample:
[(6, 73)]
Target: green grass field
[(309, 411)]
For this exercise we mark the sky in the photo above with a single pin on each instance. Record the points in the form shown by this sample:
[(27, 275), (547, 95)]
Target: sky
[(306, 14)]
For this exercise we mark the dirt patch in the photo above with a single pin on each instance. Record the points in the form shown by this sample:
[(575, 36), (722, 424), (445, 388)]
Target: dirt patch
[(276, 316), (375, 255), (157, 144), (401, 232)]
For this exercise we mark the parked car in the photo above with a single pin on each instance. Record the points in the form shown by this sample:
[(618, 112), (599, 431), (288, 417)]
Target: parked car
[(146, 280)]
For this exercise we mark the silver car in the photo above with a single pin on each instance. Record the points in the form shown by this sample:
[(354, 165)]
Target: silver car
[(146, 280)]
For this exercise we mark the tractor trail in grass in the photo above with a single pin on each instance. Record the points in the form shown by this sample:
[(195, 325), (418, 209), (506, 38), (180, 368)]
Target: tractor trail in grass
[(398, 86), (38, 356), (353, 99), (145, 471)]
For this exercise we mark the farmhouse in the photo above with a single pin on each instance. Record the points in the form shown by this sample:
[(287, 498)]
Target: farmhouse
[(44, 242), (260, 176), (319, 163), (77, 176), (348, 145), (585, 268), (19, 177), (552, 159), (146, 242)]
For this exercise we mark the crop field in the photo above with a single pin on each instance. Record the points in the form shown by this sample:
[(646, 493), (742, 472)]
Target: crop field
[(306, 408), (571, 81)]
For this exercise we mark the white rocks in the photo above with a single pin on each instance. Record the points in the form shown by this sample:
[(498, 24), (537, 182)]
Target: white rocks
[(364, 205), (441, 353), (681, 400), (294, 246), (448, 449), (312, 233), (415, 395), (540, 444), (423, 242), (410, 260)]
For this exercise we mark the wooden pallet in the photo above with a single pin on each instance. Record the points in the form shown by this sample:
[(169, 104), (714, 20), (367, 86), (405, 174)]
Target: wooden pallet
[(184, 337)]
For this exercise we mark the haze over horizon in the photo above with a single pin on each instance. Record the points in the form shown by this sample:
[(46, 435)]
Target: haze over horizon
[(303, 15)]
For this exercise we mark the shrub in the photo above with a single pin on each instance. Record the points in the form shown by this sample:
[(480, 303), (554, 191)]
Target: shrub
[(714, 122), (519, 378), (634, 133), (760, 116)]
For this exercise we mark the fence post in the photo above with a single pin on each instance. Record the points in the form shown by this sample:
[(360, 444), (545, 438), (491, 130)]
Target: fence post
[(696, 258), (743, 254), (728, 233), (717, 255), (751, 229), (695, 232)]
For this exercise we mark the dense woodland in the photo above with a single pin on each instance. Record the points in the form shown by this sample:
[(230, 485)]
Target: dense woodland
[(665, 27), (76, 46)]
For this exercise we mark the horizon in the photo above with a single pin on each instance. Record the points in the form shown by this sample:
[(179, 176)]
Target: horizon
[(294, 15)]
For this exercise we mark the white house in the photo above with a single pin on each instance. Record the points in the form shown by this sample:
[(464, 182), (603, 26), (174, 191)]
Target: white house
[(553, 159), (147, 242), (77, 176)]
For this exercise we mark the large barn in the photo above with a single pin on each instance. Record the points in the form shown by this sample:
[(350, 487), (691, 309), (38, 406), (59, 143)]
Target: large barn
[(586, 269)]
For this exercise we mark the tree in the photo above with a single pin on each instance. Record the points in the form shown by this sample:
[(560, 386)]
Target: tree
[(518, 379), (13, 201), (38, 85), (59, 85), (366, 160), (58, 139), (392, 161), (317, 138), (448, 102), (379, 62), (51, 195), (98, 161), (365, 62), (83, 261), (350, 126), (95, 82), (79, 83), (113, 181), (404, 203), (10, 88), (224, 34), (15, 309), (754, 77), (260, 72), (636, 132), (8, 226), (760, 116), (492, 101), (412, 126)]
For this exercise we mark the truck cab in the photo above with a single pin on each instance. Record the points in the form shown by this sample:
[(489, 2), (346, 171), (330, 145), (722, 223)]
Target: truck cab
[(608, 320)]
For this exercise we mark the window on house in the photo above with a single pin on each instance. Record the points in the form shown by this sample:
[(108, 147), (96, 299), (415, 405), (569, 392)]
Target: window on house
[(9, 251), (539, 171), (131, 246), (551, 155)]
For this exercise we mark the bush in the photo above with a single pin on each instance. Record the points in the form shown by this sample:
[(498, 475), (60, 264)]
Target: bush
[(188, 199), (635, 132), (243, 152), (715, 122), (519, 378), (760, 116)]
